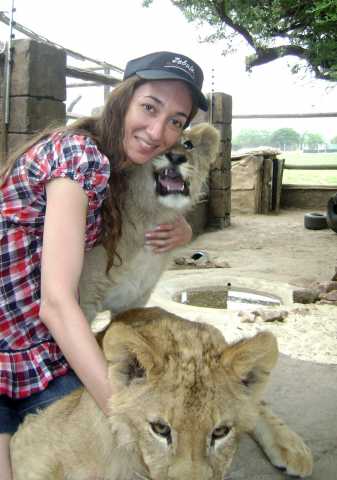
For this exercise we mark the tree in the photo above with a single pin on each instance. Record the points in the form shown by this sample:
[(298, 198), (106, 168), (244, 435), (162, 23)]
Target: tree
[(285, 138), (273, 29), (312, 140), (334, 140), (251, 138)]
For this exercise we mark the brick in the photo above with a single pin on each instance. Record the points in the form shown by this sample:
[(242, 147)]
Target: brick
[(219, 179), (30, 114), (222, 108), (38, 70), (219, 202), (18, 140)]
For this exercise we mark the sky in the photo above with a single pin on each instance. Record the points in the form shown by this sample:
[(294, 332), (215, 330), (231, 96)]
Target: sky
[(116, 31)]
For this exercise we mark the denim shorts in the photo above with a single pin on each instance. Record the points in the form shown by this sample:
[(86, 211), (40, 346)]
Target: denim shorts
[(13, 411)]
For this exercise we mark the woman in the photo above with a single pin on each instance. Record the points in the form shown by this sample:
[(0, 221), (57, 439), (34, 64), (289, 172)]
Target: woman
[(59, 197)]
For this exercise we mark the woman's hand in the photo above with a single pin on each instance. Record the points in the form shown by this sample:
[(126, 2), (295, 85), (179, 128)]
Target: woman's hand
[(166, 237)]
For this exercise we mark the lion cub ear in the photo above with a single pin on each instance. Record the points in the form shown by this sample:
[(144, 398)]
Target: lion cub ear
[(250, 361), (206, 138), (130, 356)]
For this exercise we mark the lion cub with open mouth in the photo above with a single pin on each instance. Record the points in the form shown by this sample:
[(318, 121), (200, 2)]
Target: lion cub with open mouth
[(157, 193)]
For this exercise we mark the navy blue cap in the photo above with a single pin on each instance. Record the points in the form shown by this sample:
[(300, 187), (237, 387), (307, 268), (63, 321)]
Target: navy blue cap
[(169, 66)]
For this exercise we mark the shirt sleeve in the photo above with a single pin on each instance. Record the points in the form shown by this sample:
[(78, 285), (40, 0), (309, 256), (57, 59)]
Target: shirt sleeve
[(76, 157)]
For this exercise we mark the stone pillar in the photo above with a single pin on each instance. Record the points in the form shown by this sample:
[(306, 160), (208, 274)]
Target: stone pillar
[(37, 90), (219, 185), (219, 206)]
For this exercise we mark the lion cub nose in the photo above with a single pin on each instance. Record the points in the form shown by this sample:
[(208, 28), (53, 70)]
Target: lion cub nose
[(176, 158)]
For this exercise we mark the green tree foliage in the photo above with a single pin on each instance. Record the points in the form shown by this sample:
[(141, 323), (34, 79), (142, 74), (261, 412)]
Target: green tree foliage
[(306, 29), (312, 140), (334, 140), (251, 138), (285, 138)]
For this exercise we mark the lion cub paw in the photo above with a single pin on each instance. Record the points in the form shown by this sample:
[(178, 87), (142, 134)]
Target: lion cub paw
[(290, 454), (285, 449)]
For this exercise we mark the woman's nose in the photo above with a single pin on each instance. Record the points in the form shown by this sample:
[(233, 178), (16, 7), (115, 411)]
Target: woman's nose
[(156, 129)]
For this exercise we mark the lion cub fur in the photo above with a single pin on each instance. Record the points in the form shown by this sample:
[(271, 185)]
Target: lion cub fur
[(130, 284), (182, 398)]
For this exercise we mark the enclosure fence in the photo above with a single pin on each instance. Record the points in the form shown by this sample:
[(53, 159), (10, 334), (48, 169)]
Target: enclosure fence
[(288, 116)]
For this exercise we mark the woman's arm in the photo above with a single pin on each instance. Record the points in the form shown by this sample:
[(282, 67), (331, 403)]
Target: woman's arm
[(62, 260)]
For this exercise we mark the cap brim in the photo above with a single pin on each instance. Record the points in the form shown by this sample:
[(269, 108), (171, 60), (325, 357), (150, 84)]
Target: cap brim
[(163, 75)]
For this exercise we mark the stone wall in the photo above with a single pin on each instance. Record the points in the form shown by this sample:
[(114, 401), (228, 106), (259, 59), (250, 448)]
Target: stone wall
[(37, 90), (306, 197)]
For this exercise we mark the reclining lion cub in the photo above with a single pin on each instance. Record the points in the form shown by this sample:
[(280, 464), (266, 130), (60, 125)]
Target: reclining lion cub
[(157, 192), (182, 398)]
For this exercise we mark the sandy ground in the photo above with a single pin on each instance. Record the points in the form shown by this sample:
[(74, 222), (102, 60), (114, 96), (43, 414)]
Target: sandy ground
[(274, 253)]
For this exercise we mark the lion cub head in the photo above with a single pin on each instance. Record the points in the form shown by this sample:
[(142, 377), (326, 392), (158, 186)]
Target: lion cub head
[(182, 396), (179, 174)]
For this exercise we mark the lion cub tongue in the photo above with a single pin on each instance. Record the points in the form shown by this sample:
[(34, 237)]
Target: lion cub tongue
[(171, 180)]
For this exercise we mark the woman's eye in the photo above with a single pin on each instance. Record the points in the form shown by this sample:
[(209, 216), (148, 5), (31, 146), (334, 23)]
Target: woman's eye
[(177, 123), (148, 107), (188, 145)]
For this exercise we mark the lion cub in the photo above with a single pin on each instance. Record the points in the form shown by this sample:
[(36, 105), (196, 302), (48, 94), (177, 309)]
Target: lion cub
[(157, 193), (182, 397)]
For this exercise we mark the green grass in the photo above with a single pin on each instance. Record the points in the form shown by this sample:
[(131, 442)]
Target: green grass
[(310, 177)]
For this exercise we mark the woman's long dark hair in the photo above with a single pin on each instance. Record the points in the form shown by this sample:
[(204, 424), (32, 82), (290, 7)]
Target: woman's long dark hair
[(107, 131)]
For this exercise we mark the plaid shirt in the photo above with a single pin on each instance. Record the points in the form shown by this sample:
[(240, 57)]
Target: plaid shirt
[(29, 357)]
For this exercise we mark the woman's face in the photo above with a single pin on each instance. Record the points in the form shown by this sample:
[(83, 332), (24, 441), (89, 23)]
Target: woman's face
[(155, 119)]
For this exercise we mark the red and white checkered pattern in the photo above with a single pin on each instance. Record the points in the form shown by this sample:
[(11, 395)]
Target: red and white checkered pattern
[(29, 357)]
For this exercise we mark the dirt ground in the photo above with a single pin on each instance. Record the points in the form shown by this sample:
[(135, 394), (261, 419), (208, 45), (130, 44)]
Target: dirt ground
[(274, 246)]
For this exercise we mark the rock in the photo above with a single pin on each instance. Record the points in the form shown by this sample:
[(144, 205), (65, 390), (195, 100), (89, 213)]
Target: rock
[(272, 315), (201, 260), (305, 295), (247, 317), (325, 287), (330, 296), (326, 302), (332, 286), (180, 261), (221, 264), (334, 278)]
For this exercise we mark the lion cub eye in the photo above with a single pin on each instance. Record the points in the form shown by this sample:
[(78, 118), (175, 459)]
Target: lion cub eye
[(188, 145), (220, 432), (161, 429)]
